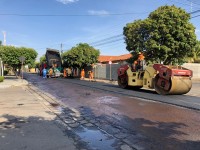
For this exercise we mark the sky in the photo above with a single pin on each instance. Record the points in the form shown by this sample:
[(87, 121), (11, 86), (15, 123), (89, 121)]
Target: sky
[(62, 24)]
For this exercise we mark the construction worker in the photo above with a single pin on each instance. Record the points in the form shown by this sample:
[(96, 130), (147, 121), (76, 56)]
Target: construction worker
[(50, 72), (44, 73), (64, 73), (140, 56), (134, 66), (140, 61), (91, 75), (82, 74)]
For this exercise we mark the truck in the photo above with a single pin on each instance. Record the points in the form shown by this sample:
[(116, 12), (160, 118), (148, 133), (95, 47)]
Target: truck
[(53, 63)]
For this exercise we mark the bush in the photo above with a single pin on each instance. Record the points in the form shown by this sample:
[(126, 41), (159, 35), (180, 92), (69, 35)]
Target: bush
[(1, 79), (5, 72)]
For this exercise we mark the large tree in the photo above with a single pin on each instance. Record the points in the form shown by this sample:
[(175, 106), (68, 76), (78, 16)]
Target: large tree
[(80, 56), (10, 55), (165, 36), (196, 53)]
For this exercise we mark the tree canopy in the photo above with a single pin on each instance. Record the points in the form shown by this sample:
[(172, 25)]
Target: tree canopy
[(80, 56), (10, 55), (165, 36), (196, 52), (42, 59)]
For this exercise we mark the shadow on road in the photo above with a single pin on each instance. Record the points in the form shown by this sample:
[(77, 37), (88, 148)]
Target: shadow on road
[(33, 133), (144, 134)]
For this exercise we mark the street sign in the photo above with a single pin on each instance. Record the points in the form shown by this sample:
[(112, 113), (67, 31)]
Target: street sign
[(21, 59)]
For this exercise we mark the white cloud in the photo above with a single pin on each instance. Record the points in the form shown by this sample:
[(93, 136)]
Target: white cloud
[(67, 1), (100, 12)]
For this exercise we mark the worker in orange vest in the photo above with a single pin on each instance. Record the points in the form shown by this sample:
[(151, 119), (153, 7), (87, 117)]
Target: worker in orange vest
[(82, 74), (140, 61), (64, 73)]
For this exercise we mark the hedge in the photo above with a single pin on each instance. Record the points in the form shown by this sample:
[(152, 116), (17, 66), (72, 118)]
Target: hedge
[(1, 79)]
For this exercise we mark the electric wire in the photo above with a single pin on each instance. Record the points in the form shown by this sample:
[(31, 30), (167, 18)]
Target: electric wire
[(113, 39), (192, 2), (70, 15)]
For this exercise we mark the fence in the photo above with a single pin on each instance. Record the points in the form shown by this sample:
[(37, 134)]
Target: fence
[(106, 71)]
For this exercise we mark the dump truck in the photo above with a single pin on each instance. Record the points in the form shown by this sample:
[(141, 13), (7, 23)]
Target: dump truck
[(53, 63), (165, 79)]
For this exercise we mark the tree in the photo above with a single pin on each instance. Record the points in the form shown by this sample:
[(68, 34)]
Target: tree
[(165, 36), (196, 50), (42, 59), (10, 55), (80, 56)]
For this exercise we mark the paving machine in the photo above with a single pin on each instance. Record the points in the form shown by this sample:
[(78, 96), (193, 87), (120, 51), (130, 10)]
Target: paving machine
[(166, 80)]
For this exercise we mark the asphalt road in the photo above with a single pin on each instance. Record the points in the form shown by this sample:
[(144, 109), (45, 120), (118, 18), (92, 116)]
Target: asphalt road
[(134, 119)]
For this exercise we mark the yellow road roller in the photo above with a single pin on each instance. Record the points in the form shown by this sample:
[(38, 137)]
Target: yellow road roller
[(166, 80)]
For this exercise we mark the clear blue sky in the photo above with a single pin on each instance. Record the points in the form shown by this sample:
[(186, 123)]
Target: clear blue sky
[(32, 23)]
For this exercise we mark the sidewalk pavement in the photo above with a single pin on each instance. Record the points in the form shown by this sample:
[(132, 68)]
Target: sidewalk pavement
[(26, 120), (10, 81)]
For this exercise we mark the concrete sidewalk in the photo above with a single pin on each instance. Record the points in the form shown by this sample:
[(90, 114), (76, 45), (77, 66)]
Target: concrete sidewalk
[(26, 120), (10, 81)]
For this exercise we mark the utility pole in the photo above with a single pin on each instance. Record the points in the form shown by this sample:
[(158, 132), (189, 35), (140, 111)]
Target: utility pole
[(4, 38), (191, 6), (61, 45), (1, 62)]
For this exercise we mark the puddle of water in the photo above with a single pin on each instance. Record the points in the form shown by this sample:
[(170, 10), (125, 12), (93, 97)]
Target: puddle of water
[(96, 139), (59, 108), (108, 99)]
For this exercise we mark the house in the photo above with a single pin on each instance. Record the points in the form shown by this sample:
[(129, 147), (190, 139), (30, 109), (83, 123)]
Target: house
[(114, 59)]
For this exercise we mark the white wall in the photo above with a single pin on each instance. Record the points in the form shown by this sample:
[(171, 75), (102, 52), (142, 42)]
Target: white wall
[(195, 67)]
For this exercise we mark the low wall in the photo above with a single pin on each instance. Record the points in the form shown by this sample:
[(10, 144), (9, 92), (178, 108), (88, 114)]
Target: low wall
[(195, 67)]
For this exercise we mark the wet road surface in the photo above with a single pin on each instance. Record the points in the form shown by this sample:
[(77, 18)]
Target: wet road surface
[(103, 116)]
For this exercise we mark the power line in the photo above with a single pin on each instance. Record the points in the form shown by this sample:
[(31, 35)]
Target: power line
[(192, 2), (115, 38), (108, 42), (181, 3), (194, 12), (106, 39), (71, 15), (195, 16)]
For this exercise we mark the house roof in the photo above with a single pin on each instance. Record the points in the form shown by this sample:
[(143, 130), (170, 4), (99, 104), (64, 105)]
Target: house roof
[(104, 58)]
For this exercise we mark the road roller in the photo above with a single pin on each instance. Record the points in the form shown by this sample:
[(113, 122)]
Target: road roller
[(165, 79)]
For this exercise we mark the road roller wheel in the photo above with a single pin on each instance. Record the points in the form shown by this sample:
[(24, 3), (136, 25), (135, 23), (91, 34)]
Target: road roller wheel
[(162, 86), (176, 85), (123, 81)]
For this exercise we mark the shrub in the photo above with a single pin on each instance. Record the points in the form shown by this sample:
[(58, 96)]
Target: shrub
[(1, 79)]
